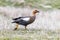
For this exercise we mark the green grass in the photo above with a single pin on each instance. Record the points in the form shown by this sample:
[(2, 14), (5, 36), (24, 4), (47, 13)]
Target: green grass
[(31, 34)]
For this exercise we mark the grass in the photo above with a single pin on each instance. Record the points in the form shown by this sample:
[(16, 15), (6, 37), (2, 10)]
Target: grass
[(31, 34), (32, 3)]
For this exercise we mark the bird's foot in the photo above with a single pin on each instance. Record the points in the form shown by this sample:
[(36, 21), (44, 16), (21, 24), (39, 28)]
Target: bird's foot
[(26, 29), (15, 28)]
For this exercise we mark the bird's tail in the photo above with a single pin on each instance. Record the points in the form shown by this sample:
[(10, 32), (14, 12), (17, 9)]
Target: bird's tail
[(13, 22)]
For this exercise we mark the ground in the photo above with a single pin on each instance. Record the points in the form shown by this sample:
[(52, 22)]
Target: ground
[(30, 34)]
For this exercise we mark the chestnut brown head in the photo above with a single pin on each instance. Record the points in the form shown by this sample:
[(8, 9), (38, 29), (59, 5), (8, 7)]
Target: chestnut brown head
[(35, 11)]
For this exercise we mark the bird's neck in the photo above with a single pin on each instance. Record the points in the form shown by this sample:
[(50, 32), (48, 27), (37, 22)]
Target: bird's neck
[(34, 14)]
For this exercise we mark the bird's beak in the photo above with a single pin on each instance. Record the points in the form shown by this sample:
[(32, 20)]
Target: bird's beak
[(38, 11)]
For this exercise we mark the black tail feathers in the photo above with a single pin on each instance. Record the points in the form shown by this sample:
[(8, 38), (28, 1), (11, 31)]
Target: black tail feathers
[(14, 22)]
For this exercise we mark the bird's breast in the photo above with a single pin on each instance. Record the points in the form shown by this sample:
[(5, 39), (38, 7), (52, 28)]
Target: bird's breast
[(32, 19)]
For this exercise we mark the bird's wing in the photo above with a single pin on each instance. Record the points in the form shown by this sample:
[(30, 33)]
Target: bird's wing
[(21, 20), (26, 18), (17, 18)]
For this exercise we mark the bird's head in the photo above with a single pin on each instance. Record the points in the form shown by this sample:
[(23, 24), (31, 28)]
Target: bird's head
[(35, 11)]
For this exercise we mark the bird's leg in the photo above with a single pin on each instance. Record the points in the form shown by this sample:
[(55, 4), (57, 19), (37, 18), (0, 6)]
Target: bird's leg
[(16, 27), (25, 27)]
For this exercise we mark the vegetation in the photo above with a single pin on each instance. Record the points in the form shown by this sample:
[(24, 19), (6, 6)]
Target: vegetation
[(31, 34), (32, 3)]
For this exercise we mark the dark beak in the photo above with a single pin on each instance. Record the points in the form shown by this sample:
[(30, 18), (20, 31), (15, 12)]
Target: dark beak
[(38, 11)]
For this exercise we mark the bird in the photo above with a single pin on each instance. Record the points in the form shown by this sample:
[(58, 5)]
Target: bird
[(25, 20)]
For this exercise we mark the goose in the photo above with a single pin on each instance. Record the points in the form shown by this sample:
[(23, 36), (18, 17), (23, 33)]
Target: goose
[(25, 20)]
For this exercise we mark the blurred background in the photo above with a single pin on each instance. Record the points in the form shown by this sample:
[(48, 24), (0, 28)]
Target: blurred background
[(45, 27)]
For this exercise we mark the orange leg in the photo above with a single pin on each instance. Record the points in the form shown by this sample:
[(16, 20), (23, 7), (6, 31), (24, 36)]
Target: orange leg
[(16, 27)]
